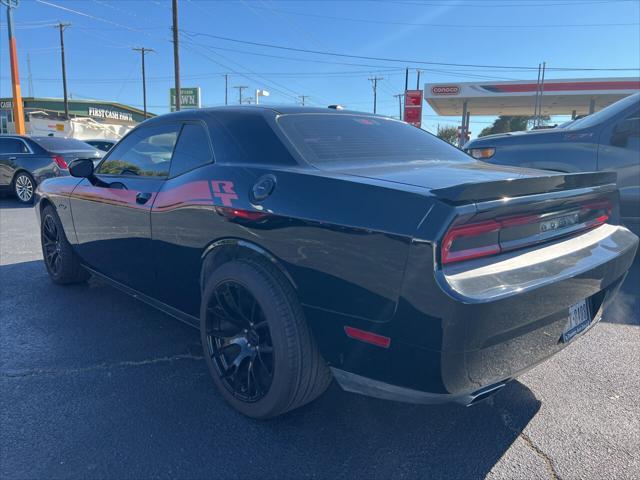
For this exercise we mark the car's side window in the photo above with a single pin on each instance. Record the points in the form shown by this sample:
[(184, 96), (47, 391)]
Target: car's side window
[(192, 150), (626, 132), (12, 145), (145, 152)]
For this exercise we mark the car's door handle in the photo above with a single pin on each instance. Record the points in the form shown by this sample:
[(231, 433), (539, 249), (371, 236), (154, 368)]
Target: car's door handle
[(12, 158), (143, 197)]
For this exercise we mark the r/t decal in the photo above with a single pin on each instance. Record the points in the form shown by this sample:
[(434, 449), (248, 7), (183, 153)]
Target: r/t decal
[(223, 189)]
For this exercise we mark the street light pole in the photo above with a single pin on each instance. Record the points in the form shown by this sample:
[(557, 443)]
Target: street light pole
[(18, 111), (61, 26), (143, 51)]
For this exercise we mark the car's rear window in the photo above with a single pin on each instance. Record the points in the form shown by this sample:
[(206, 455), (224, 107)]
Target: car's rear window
[(331, 139), (57, 144)]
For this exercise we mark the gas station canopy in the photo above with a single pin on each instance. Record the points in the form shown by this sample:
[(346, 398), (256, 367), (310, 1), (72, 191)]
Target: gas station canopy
[(559, 97)]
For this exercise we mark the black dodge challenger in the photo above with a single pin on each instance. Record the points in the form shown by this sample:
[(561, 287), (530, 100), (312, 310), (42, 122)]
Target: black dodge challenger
[(310, 244)]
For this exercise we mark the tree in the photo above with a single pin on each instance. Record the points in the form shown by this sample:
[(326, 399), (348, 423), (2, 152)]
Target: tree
[(508, 123), (448, 134)]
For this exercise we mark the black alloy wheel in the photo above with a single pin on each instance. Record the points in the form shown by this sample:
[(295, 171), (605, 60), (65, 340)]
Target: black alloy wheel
[(51, 244), (239, 341), (260, 352), (60, 259)]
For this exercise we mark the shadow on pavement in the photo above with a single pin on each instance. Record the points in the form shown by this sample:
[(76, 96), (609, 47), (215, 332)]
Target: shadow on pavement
[(97, 384)]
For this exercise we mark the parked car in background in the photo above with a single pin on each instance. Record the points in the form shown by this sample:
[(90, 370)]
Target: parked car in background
[(606, 140), (27, 161), (101, 144), (307, 244)]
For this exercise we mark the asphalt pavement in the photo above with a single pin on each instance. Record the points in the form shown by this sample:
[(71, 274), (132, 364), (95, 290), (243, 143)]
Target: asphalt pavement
[(95, 384)]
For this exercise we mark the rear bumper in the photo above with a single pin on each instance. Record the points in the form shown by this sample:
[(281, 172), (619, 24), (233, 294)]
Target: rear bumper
[(354, 383), (462, 332)]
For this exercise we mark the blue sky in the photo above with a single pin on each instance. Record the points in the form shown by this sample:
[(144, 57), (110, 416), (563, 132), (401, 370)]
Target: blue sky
[(101, 64)]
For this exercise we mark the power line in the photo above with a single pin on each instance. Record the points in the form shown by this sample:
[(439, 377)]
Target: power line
[(386, 59), (274, 85), (87, 15)]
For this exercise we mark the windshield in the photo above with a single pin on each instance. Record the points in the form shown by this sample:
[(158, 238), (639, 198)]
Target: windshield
[(331, 139), (604, 114)]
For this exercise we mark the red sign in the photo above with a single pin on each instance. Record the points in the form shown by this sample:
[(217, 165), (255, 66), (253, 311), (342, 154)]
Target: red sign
[(413, 107), (445, 90), (413, 98)]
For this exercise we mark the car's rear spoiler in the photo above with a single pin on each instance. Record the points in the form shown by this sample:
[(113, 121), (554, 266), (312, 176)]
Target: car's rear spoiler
[(518, 187)]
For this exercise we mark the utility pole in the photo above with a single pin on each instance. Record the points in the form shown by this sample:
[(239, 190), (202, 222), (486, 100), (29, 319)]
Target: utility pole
[(406, 79), (29, 77), (544, 67), (399, 97), (18, 112), (176, 55), (143, 51), (302, 98), (374, 81), (226, 88), (240, 88), (418, 80), (61, 26)]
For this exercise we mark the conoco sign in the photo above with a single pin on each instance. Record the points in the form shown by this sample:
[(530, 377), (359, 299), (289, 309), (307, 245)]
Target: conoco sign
[(445, 90)]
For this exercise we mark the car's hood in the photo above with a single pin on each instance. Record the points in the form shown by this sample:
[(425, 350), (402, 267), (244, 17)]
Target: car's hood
[(476, 181)]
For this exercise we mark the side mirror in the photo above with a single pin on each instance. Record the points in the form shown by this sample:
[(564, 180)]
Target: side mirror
[(81, 168)]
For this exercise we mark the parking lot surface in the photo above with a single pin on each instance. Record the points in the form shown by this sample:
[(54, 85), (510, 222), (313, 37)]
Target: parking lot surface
[(95, 384)]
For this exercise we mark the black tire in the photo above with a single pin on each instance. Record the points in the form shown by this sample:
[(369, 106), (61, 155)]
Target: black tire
[(61, 261), (24, 187), (299, 373)]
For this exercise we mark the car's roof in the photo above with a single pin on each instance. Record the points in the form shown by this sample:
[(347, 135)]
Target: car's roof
[(258, 110)]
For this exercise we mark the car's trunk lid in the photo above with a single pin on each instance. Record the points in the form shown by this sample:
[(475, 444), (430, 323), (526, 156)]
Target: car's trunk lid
[(495, 209), (469, 182)]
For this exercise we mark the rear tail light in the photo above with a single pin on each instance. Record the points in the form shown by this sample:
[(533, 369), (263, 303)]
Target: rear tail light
[(481, 239), (60, 162)]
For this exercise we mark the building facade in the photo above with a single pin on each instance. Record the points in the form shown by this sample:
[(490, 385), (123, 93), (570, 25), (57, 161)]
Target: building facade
[(87, 118)]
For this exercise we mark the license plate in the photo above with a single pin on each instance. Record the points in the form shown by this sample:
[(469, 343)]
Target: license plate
[(579, 320), (559, 222)]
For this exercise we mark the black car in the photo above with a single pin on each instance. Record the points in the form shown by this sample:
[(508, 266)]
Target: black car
[(102, 144), (27, 161), (606, 140), (310, 244)]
